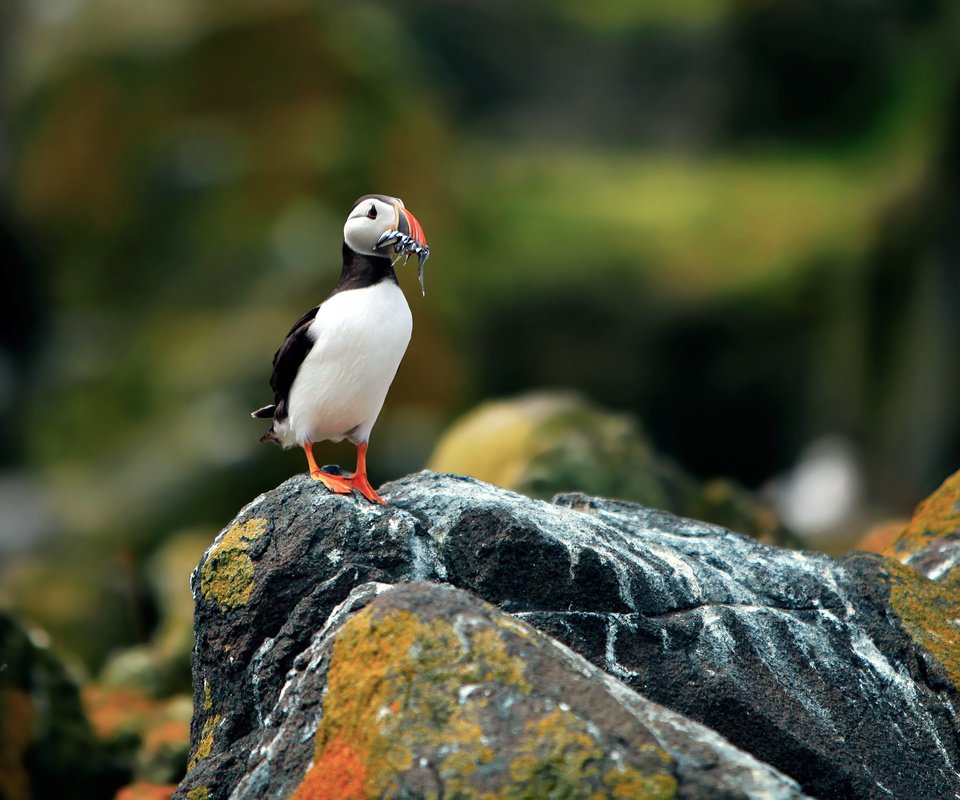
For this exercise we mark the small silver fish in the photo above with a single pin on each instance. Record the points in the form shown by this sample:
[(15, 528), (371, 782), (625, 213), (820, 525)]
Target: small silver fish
[(404, 245)]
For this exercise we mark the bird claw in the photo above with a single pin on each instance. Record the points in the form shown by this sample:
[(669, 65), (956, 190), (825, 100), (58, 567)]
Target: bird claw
[(405, 246)]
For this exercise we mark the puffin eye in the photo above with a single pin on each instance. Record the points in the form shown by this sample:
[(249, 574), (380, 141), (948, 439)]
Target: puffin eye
[(372, 213)]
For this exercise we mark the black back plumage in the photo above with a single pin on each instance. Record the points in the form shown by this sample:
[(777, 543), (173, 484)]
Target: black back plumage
[(359, 271)]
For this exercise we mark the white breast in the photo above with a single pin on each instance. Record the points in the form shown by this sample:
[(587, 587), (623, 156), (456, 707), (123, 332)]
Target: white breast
[(360, 336)]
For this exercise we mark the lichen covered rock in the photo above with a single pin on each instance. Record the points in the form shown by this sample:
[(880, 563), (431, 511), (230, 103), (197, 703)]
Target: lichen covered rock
[(802, 661), (930, 543), (422, 690)]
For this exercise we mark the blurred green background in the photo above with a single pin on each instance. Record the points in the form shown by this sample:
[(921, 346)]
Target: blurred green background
[(734, 221)]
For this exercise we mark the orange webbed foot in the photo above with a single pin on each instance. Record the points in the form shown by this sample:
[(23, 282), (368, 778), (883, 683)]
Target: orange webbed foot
[(335, 483), (361, 484)]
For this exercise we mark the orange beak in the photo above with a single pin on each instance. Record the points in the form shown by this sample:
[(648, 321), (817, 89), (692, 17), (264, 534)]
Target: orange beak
[(415, 229)]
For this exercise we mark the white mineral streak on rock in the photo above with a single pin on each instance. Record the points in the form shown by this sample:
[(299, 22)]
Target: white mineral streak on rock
[(425, 561), (695, 563), (719, 641), (893, 685), (610, 656), (742, 775), (950, 552)]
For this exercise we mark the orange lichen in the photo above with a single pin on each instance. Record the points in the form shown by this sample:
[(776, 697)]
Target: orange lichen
[(934, 518), (393, 684), (16, 733), (339, 775), (395, 693), (929, 612), (146, 791)]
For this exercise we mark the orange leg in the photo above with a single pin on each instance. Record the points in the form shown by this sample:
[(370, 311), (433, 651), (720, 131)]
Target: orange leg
[(335, 483), (359, 479)]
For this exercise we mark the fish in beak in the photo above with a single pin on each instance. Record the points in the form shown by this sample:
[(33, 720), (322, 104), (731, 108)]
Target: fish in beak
[(406, 238)]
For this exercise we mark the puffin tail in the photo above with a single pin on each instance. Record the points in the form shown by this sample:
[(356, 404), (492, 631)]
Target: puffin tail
[(264, 413)]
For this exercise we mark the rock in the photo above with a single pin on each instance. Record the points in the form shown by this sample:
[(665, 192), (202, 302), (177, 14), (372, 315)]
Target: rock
[(426, 691), (802, 661), (543, 443), (547, 442), (46, 746), (930, 543)]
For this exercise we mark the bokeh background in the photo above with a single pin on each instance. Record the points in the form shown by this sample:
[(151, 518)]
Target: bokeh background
[(730, 226)]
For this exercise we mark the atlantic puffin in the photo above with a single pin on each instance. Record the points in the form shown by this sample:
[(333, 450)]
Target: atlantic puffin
[(332, 372)]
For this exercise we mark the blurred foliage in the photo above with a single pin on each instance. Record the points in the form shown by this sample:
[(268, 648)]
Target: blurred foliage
[(735, 220), (547, 443)]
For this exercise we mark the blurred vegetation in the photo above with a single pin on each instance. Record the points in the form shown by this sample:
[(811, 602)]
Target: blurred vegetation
[(735, 221), (544, 443)]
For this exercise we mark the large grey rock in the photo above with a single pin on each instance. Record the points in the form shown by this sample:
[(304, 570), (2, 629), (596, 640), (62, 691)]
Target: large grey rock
[(476, 702), (794, 657)]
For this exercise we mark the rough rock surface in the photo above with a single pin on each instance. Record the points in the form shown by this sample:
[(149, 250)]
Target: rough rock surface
[(800, 660), (477, 704)]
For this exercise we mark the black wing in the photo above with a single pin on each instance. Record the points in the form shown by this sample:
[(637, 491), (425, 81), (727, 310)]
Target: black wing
[(287, 361)]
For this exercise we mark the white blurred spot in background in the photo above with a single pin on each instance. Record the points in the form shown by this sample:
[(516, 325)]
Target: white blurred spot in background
[(823, 490)]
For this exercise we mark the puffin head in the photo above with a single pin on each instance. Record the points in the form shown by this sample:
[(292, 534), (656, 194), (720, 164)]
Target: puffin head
[(378, 224), (372, 216)]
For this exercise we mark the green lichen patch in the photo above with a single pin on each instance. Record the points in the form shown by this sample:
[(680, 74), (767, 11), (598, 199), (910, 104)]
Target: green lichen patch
[(934, 518), (227, 573), (410, 695), (559, 756), (929, 612), (200, 793)]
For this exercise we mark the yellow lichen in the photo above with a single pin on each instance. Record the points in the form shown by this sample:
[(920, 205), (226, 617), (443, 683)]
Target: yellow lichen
[(200, 793), (559, 754), (227, 574), (630, 784), (934, 518), (394, 688), (929, 612), (207, 700), (205, 745), (393, 685)]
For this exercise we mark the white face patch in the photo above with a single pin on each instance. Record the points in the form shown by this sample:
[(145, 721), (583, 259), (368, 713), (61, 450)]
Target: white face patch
[(367, 222)]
